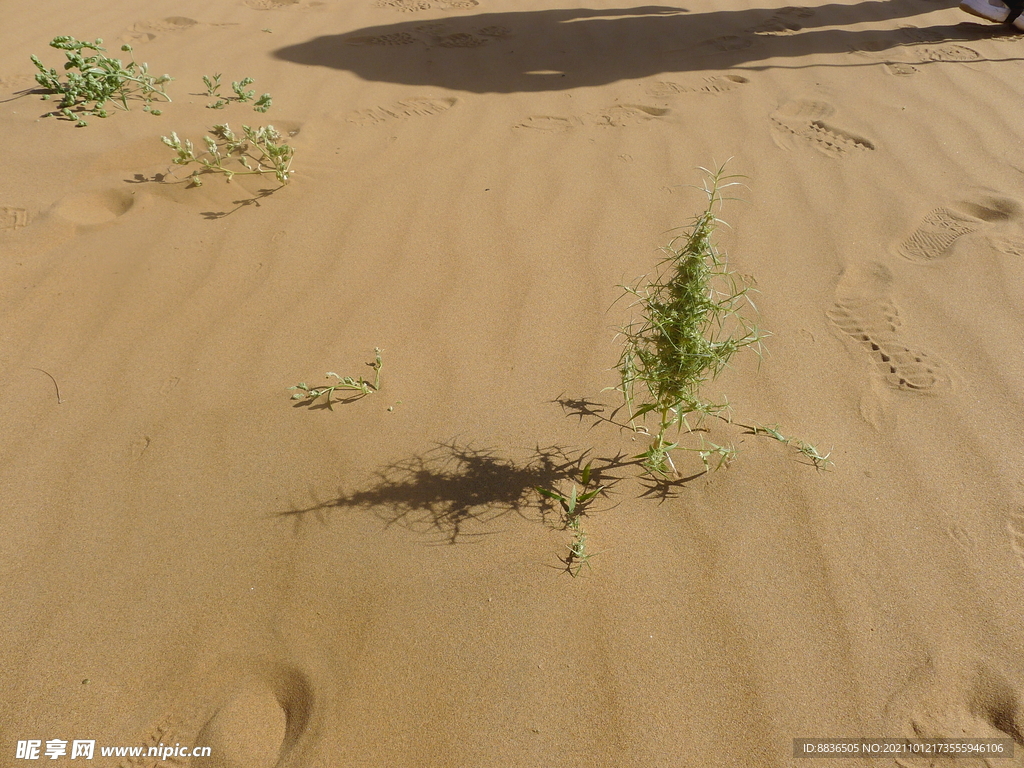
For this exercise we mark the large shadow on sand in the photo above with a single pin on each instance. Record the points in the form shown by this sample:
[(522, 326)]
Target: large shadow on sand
[(561, 49)]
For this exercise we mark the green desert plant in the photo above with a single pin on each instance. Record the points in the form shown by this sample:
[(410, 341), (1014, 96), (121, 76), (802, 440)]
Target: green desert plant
[(573, 507), (359, 387), (258, 151), (692, 321), (242, 96), (819, 461), (91, 80), (212, 83)]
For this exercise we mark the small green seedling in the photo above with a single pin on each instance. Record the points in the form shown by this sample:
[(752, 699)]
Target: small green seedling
[(92, 80), (258, 151), (573, 508), (572, 505), (242, 96), (212, 83), (359, 387)]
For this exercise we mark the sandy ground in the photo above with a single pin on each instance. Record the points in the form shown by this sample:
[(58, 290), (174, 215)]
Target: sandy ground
[(190, 557)]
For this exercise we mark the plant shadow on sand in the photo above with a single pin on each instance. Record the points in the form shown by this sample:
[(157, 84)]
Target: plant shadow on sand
[(239, 204), (561, 49), (453, 488), (167, 178)]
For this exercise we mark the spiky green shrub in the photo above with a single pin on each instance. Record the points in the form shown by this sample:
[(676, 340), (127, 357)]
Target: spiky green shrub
[(694, 315)]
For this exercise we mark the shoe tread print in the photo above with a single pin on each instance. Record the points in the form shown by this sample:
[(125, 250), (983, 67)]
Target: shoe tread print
[(865, 312), (808, 122)]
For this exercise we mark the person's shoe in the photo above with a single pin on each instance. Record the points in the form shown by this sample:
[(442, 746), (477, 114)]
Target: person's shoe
[(991, 10)]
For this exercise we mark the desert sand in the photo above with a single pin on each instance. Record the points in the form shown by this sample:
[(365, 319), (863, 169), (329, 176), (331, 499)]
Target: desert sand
[(191, 557)]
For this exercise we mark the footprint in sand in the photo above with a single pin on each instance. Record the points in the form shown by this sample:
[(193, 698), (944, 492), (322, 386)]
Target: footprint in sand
[(941, 52), (804, 122), (139, 446), (439, 34), (900, 68), (726, 43), (395, 38), (270, 5), (400, 110), (248, 729), (259, 722), (145, 31), (889, 52), (953, 699), (460, 40), (277, 5), (716, 84), (621, 115), (617, 115), (168, 386), (549, 123), (13, 218), (785, 21), (864, 312), (946, 53), (935, 235), (255, 723), (940, 230), (94, 208), (408, 6)]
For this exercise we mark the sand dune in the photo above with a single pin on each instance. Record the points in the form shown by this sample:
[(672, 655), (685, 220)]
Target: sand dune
[(191, 558)]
